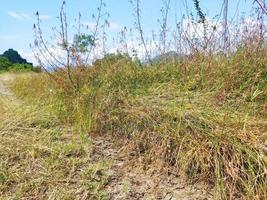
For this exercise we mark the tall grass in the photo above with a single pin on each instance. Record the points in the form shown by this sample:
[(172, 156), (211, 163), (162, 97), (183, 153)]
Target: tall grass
[(205, 116), (41, 155)]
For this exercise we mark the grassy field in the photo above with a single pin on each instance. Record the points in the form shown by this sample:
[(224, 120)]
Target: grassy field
[(204, 118)]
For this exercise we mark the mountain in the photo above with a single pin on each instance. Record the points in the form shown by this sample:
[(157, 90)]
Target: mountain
[(14, 57)]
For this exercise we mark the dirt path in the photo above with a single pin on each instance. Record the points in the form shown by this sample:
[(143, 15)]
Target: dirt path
[(5, 94), (127, 181), (3, 89)]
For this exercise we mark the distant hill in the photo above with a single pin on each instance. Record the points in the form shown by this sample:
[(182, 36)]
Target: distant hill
[(10, 60), (14, 57)]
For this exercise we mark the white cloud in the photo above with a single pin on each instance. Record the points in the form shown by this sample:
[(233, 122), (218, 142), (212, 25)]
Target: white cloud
[(28, 55), (114, 26), (5, 38), (111, 26), (45, 17), (25, 16), (15, 15), (135, 48), (90, 25), (196, 30)]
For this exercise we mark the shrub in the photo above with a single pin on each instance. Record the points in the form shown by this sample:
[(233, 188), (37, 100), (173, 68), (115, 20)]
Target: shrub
[(4, 63)]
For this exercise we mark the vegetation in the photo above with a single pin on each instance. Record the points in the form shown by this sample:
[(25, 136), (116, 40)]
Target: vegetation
[(200, 115), (41, 159), (205, 129), (10, 60), (4, 63)]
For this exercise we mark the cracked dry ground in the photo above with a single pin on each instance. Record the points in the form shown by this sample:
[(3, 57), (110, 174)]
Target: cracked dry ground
[(126, 176)]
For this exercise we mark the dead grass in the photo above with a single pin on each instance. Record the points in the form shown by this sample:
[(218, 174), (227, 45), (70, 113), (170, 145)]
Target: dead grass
[(204, 117), (41, 158)]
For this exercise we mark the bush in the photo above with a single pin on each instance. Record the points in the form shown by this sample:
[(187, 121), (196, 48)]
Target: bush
[(4, 63), (12, 61), (37, 69), (21, 67)]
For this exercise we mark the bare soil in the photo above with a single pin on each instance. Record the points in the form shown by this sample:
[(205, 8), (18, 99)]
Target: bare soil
[(130, 181)]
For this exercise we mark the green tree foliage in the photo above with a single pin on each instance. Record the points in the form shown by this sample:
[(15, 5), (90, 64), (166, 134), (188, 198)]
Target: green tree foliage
[(200, 13), (112, 59), (21, 67), (4, 63), (82, 42), (12, 61)]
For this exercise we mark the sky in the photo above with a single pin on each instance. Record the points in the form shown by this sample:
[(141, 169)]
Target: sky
[(18, 16)]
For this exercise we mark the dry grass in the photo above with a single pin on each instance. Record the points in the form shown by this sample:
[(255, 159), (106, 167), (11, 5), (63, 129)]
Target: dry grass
[(204, 117), (41, 158)]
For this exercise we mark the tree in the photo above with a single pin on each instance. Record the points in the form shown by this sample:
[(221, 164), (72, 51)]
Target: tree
[(111, 59), (4, 63), (74, 54), (83, 42)]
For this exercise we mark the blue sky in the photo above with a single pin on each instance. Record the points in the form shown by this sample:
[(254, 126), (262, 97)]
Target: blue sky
[(17, 16)]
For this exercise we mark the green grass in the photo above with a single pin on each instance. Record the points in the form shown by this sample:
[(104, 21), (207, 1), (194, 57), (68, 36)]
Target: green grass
[(204, 117)]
